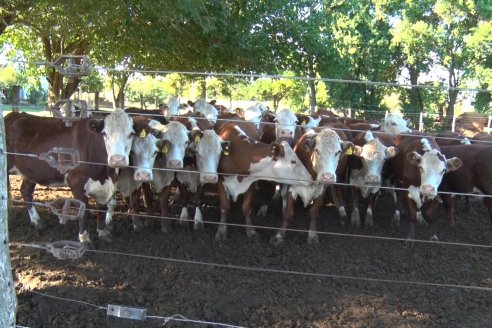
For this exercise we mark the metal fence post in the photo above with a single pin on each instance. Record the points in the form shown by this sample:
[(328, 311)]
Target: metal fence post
[(488, 124), (8, 299), (421, 122), (453, 124)]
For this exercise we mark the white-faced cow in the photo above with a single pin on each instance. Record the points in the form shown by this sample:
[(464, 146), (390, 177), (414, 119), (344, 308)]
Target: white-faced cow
[(419, 167), (106, 142), (320, 151), (395, 124), (247, 161), (370, 153)]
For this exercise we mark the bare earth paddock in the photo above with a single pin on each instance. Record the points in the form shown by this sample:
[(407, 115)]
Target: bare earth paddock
[(241, 297)]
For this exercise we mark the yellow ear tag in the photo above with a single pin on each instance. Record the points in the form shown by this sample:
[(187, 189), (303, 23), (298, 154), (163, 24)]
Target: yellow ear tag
[(143, 134), (197, 139), (165, 149), (349, 151)]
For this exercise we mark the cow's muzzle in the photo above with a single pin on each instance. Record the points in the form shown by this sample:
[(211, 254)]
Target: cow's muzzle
[(209, 178), (143, 176), (117, 161), (175, 164)]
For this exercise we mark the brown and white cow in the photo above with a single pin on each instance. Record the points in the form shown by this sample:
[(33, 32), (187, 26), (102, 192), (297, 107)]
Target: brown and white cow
[(109, 146), (371, 150), (246, 162), (419, 167), (320, 151), (474, 176), (395, 124), (449, 138)]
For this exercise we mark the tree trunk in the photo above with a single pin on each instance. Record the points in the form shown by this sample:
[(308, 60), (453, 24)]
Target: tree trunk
[(96, 100), (204, 88), (8, 299), (142, 102), (16, 98), (414, 92), (448, 121), (312, 85)]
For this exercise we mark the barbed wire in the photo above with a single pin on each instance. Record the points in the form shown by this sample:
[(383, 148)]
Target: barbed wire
[(229, 224), (166, 319), (270, 270), (258, 75)]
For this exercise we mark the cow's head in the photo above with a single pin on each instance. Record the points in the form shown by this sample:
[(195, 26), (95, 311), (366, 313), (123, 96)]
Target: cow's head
[(117, 130), (208, 149), (176, 140), (432, 165), (145, 148), (287, 167), (325, 149), (394, 124), (373, 155), (172, 107), (210, 112), (253, 115), (285, 124)]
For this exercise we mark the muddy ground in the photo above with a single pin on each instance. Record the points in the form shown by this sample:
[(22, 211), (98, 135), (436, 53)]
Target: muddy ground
[(242, 297)]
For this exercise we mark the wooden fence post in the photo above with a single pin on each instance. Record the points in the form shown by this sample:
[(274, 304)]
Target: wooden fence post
[(8, 299), (350, 112), (453, 124)]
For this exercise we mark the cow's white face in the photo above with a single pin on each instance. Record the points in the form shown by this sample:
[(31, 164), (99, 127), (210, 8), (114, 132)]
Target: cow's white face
[(253, 115), (210, 112), (177, 136), (117, 133), (143, 154), (288, 166), (285, 124), (208, 151), (432, 165), (373, 155), (172, 107), (394, 124), (326, 150)]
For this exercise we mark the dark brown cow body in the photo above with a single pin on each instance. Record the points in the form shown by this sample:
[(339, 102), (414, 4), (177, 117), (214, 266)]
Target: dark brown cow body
[(251, 162), (449, 138), (474, 175), (419, 152), (153, 114), (28, 134)]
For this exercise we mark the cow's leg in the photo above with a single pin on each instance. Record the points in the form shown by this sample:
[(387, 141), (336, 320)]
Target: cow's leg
[(198, 199), (102, 229), (184, 197), (27, 191), (313, 216), (109, 213), (411, 210), (148, 197), (488, 203), (287, 216), (164, 202), (369, 220), (246, 207), (134, 208), (225, 207), (341, 203), (449, 206), (397, 196), (429, 211), (355, 216)]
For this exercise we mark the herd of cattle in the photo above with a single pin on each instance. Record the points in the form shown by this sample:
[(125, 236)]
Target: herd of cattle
[(130, 151)]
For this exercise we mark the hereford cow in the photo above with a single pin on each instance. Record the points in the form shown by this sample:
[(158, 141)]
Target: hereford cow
[(474, 176), (320, 151), (371, 151), (105, 141), (419, 167), (246, 162), (395, 124)]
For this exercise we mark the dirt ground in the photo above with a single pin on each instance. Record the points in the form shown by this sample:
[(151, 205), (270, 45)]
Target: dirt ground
[(241, 297)]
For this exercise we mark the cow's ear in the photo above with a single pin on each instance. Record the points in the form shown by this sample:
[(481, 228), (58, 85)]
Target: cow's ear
[(213, 102), (163, 146), (95, 125), (309, 144), (225, 147), (195, 135), (357, 151), (347, 147), (414, 157), (453, 164), (391, 152), (141, 129), (276, 150), (156, 133), (191, 103)]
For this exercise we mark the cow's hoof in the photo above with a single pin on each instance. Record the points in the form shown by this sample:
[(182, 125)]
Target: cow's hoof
[(105, 235), (252, 234), (198, 225), (84, 238), (313, 239), (276, 240)]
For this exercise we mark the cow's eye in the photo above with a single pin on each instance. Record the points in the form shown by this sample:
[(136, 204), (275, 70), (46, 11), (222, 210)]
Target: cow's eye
[(338, 153), (293, 161), (104, 134), (443, 171), (156, 153)]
